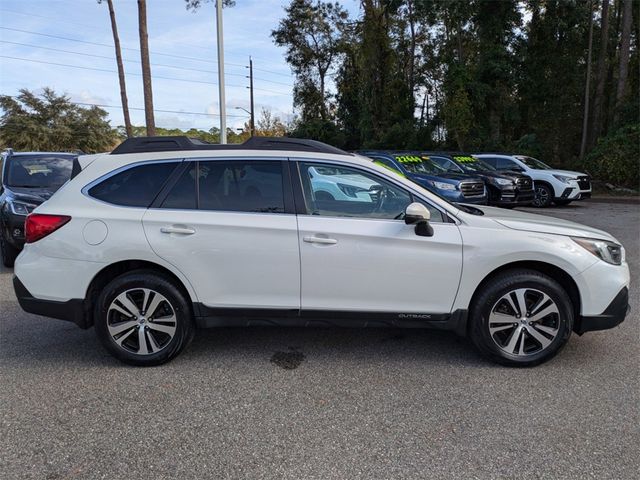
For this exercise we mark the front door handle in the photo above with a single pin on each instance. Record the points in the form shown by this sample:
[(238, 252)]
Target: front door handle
[(178, 230), (321, 240)]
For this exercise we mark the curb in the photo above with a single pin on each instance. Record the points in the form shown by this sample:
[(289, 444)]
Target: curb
[(623, 200)]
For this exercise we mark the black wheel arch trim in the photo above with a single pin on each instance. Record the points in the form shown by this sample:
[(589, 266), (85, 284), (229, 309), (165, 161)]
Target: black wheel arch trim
[(73, 310)]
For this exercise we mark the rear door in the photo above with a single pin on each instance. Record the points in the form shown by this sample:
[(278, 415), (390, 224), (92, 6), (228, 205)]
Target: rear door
[(357, 253), (229, 227)]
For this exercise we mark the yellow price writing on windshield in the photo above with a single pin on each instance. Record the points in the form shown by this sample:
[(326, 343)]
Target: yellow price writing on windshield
[(465, 159), (408, 159)]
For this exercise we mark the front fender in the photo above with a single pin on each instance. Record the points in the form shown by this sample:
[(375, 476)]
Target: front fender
[(486, 250)]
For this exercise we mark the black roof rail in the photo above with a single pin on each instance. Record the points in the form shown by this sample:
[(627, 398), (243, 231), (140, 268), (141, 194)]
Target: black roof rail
[(176, 143)]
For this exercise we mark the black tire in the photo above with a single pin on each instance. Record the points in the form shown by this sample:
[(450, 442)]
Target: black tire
[(543, 195), (9, 252), (174, 301), (490, 297), (562, 203)]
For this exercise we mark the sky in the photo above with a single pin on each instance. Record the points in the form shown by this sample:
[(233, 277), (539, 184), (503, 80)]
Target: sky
[(68, 45)]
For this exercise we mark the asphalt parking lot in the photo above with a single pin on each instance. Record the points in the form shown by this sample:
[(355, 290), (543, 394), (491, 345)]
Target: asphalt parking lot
[(311, 403)]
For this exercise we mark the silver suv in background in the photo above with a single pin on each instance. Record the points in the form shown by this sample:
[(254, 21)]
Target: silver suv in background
[(551, 186)]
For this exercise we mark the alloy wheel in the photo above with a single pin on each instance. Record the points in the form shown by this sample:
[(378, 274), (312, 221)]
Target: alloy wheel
[(141, 321), (524, 322), (542, 197)]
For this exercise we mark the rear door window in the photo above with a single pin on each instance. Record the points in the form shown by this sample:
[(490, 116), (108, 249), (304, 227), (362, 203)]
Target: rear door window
[(134, 187), (241, 186)]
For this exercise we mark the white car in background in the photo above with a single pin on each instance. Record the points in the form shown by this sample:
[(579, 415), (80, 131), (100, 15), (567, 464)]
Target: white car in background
[(551, 186)]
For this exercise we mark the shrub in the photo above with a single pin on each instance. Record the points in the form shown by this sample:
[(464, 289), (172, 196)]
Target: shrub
[(616, 158)]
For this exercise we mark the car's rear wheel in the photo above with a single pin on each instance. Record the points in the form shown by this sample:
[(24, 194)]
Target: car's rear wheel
[(9, 252), (521, 318), (143, 319), (543, 195)]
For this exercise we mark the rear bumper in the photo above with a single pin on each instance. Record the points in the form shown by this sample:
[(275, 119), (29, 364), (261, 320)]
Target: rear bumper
[(72, 310), (613, 315)]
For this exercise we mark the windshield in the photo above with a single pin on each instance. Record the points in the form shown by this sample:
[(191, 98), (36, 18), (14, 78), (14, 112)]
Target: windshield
[(38, 171), (534, 163), (419, 164), (472, 164)]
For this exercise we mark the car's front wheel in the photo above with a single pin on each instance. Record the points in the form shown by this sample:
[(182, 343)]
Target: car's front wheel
[(521, 318), (143, 319), (9, 252), (543, 196)]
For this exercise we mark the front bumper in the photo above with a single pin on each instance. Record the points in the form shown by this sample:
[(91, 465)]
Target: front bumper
[(14, 229), (456, 196), (612, 316), (72, 310), (512, 197), (574, 193)]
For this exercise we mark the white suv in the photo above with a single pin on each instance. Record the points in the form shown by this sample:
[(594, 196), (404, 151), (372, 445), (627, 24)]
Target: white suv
[(163, 235), (551, 186)]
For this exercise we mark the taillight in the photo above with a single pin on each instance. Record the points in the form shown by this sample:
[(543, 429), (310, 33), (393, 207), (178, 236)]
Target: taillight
[(39, 225)]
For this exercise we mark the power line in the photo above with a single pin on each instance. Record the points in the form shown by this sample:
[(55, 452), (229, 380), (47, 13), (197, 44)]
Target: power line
[(59, 20), (131, 74), (138, 62), (111, 46), (136, 50), (113, 58), (142, 109)]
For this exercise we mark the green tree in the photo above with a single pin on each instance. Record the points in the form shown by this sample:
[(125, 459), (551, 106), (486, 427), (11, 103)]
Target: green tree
[(50, 122), (311, 32)]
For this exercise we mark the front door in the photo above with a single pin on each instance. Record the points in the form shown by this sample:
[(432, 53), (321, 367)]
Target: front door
[(357, 253)]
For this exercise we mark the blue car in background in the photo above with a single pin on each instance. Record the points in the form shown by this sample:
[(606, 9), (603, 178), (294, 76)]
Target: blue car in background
[(419, 168)]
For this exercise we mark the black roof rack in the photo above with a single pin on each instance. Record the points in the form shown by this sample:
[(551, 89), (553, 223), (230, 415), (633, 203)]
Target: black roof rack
[(176, 143)]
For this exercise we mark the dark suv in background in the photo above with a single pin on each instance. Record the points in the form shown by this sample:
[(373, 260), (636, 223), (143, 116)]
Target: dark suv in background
[(26, 180), (419, 168), (506, 189)]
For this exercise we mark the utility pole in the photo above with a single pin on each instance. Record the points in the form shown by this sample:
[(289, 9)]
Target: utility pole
[(223, 110), (253, 116)]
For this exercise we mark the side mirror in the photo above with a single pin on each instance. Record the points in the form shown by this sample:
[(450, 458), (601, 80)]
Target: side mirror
[(417, 214)]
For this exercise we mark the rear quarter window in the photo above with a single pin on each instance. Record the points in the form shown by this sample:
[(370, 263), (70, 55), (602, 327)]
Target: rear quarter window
[(134, 187)]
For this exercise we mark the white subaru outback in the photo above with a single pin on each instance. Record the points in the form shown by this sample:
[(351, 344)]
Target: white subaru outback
[(164, 235), (551, 185)]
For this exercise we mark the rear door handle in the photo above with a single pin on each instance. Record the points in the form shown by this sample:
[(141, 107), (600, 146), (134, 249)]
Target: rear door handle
[(178, 230), (321, 240)]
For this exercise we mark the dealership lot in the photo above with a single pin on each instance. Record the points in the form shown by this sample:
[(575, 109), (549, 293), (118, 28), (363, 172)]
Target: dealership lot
[(311, 403)]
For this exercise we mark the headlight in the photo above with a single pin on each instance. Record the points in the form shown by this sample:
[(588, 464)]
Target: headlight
[(503, 181), (444, 186), (563, 178), (350, 190), (20, 208), (609, 252)]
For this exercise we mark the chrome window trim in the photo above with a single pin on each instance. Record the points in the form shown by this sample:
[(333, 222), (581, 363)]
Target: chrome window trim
[(106, 176)]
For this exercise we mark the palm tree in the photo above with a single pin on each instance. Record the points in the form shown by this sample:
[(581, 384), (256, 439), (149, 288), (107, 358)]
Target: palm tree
[(123, 86), (146, 68)]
